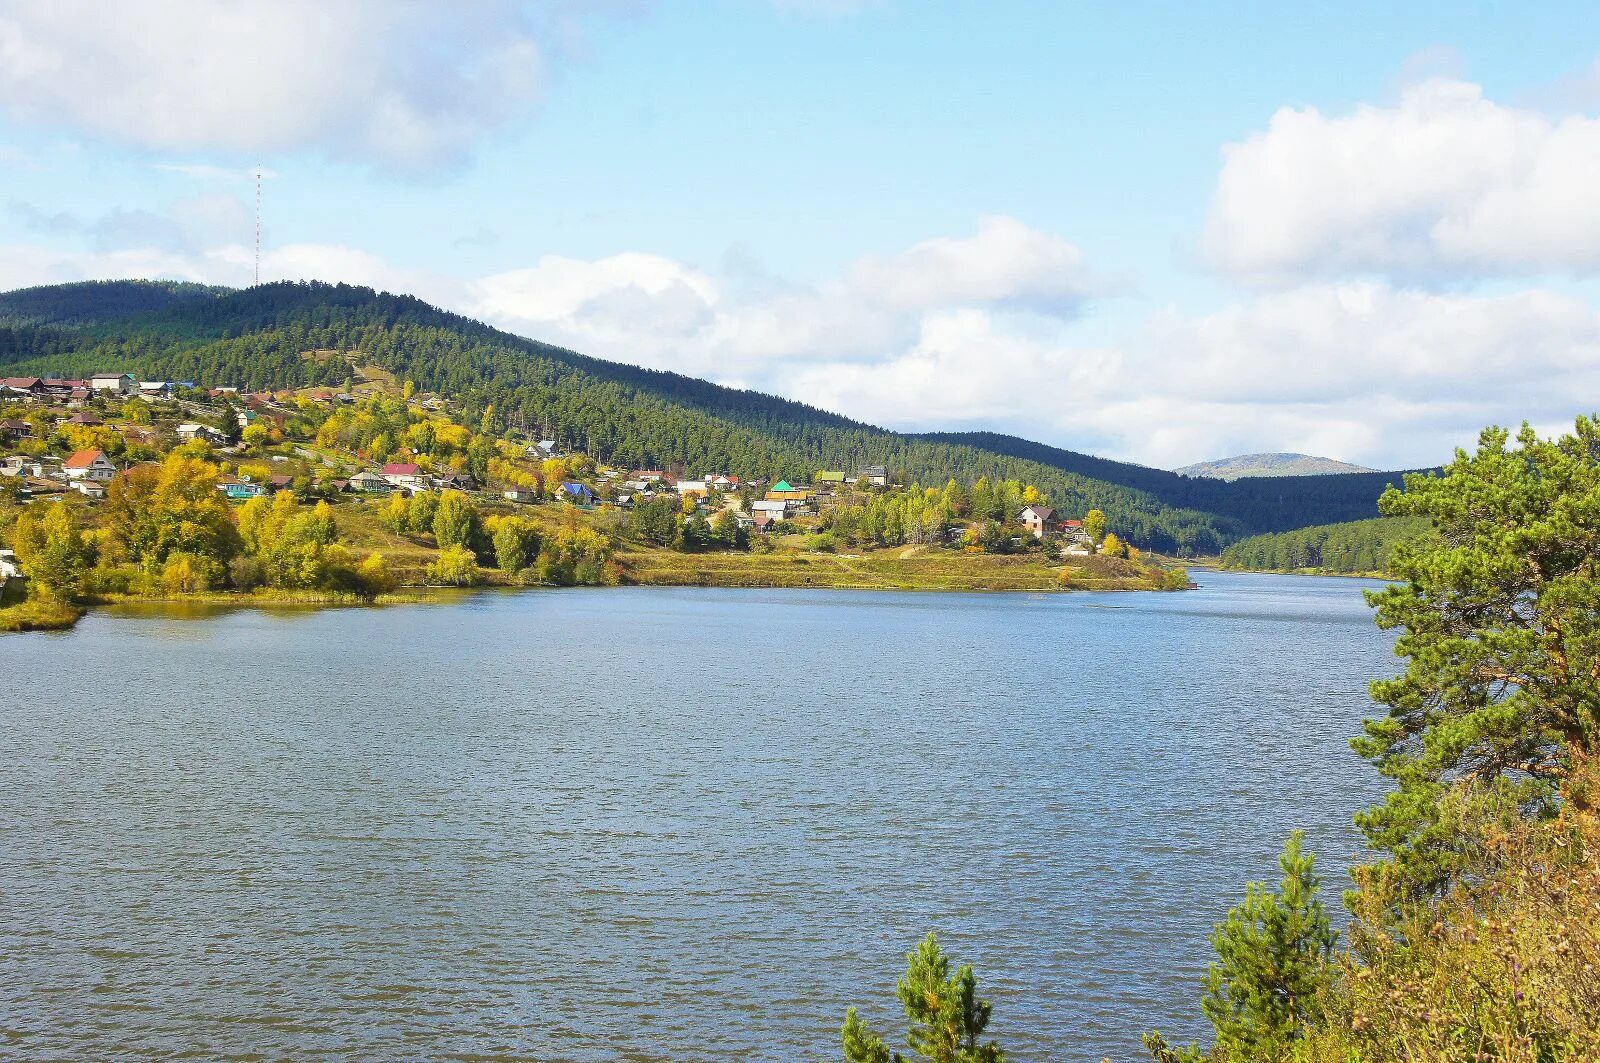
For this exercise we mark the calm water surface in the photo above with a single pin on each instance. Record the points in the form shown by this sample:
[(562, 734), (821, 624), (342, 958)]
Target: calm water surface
[(647, 824)]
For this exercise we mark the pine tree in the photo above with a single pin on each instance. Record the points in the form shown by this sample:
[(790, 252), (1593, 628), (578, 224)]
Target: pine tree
[(1272, 961), (946, 1015)]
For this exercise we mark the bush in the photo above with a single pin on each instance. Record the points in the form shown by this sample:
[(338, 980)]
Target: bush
[(456, 567), (245, 573)]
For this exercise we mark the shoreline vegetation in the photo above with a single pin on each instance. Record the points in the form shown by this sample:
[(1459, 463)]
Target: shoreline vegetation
[(882, 571)]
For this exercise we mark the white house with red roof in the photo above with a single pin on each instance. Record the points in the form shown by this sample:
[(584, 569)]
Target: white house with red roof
[(90, 465), (405, 475)]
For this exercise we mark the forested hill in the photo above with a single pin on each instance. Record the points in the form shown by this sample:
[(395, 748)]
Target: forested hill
[(1361, 547), (260, 337)]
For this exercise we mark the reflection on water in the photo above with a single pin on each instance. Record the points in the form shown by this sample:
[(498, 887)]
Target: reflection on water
[(655, 824)]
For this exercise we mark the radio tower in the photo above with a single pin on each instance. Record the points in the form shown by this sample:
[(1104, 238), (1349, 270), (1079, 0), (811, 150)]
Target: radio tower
[(258, 224)]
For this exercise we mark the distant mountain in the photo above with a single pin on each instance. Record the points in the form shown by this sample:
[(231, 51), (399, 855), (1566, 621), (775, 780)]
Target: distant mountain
[(639, 418), (1237, 468)]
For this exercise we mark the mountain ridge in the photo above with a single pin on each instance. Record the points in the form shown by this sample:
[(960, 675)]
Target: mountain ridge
[(1276, 463)]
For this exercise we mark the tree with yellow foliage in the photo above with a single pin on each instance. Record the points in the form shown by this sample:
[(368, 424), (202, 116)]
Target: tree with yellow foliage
[(1094, 525)]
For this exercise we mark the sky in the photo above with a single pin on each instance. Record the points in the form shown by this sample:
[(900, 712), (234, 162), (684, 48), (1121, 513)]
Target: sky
[(1156, 232)]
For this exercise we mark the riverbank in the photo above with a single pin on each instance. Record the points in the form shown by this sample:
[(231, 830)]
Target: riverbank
[(1215, 565), (902, 569)]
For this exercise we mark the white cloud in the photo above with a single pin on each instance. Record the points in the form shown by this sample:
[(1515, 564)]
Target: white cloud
[(401, 84), (1445, 183), (655, 311), (1005, 263)]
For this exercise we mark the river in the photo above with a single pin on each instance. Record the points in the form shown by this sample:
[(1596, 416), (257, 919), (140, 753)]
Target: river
[(657, 824)]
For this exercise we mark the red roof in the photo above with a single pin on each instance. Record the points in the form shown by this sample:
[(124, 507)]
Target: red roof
[(1072, 524), (83, 459), (401, 468), (18, 381)]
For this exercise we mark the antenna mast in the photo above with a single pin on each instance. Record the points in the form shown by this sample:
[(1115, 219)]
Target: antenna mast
[(258, 223)]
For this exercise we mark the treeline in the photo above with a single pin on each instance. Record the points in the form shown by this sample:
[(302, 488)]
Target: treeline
[(92, 302), (1360, 546), (631, 416)]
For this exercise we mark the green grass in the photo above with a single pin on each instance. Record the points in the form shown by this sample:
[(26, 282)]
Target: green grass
[(38, 614)]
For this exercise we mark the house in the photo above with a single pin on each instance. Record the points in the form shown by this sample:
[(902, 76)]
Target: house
[(723, 483), (578, 494), (763, 523), (12, 430), (830, 480), (21, 465), (90, 465), (404, 474), (649, 476), (545, 448), (82, 420), (525, 495), (784, 491), (280, 482), (370, 483), (154, 390), (119, 384), (30, 386), (693, 487), (241, 489), (776, 509), (191, 430), (56, 389), (1075, 541), (1037, 519), (455, 481), (338, 485), (89, 488), (9, 568), (876, 475)]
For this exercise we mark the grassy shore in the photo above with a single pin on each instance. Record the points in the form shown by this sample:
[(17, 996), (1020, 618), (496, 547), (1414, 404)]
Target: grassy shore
[(38, 614), (892, 569)]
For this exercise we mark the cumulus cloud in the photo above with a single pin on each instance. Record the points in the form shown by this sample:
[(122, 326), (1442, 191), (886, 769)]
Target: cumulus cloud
[(658, 312), (401, 84), (1443, 184)]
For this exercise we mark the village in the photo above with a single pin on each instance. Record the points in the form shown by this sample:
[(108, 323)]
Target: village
[(173, 490), (78, 435)]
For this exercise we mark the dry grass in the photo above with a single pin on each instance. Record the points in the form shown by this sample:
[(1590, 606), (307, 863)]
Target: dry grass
[(1507, 969), (938, 570)]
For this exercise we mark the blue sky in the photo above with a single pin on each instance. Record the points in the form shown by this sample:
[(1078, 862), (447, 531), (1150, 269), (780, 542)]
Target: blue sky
[(1085, 225)]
